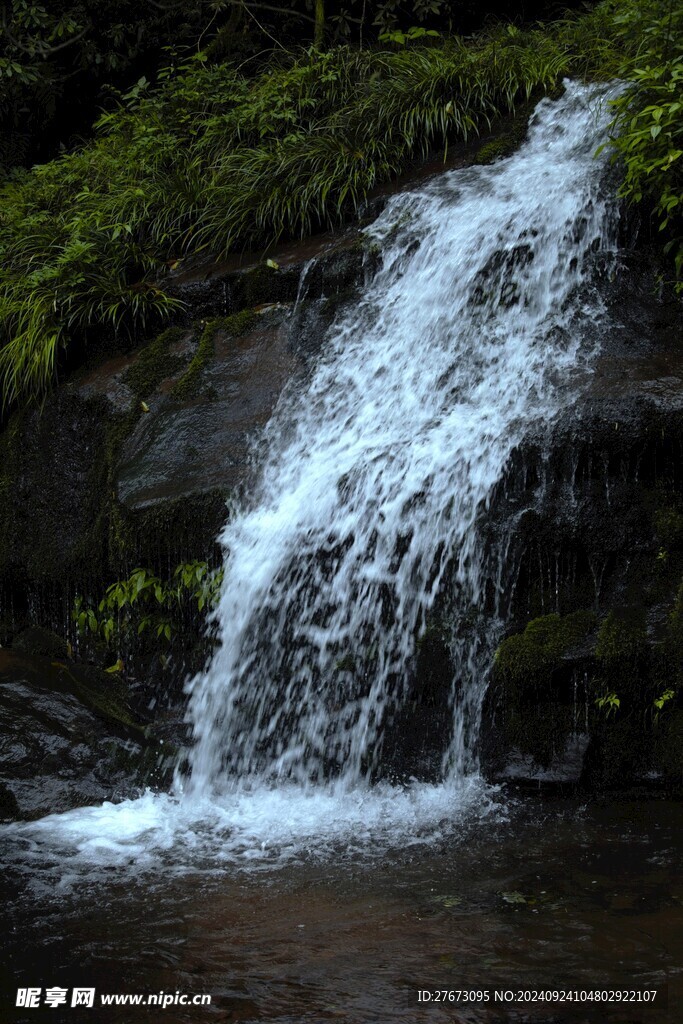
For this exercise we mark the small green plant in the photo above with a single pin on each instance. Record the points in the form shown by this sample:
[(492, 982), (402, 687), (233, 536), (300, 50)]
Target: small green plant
[(661, 702), (144, 602), (647, 131), (609, 703), (411, 35)]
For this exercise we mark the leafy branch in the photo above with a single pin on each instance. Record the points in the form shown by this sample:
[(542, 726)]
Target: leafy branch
[(143, 602)]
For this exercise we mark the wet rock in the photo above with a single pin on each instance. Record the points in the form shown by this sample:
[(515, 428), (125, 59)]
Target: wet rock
[(203, 443), (41, 642), (67, 738), (325, 265), (591, 508), (49, 462)]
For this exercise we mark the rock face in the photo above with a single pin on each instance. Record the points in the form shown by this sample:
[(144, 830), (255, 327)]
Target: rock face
[(67, 738), (202, 444), (130, 463), (587, 687), (132, 459)]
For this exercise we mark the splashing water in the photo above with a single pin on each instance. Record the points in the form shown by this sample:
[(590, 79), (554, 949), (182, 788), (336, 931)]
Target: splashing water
[(378, 469)]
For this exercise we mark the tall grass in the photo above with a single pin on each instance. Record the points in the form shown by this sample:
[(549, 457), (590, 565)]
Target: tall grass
[(213, 161)]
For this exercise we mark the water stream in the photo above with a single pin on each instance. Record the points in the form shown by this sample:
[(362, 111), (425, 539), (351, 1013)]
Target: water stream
[(377, 471), (475, 331)]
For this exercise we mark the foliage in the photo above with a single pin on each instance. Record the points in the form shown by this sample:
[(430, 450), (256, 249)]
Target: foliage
[(57, 58), (212, 160), (648, 126), (60, 59), (414, 33), (144, 602), (662, 701), (609, 703)]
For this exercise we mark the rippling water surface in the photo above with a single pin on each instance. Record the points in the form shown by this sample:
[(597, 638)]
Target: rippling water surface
[(552, 896)]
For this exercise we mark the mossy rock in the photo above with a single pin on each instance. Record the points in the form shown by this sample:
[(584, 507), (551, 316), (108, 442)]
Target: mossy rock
[(622, 652), (235, 325), (496, 149), (155, 363), (527, 660), (503, 145), (41, 642), (669, 526), (533, 683)]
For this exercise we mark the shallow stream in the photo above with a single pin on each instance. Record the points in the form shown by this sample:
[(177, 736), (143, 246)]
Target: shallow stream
[(534, 895)]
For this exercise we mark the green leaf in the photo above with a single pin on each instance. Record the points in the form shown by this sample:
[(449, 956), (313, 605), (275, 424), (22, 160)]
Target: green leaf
[(514, 897)]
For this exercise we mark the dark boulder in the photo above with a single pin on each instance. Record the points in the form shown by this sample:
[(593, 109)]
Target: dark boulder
[(68, 738)]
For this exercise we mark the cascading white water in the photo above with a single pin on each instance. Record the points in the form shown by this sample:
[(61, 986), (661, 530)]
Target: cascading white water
[(380, 465), (378, 474)]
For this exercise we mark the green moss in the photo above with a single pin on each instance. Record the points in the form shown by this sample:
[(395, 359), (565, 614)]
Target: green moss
[(235, 325), (510, 137), (496, 149), (538, 711), (155, 363), (528, 659), (621, 650), (669, 527)]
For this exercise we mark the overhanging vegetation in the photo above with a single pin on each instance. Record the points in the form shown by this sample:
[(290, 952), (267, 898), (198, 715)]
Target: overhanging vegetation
[(215, 161)]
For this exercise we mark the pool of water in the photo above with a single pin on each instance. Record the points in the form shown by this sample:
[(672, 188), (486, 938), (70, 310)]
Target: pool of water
[(547, 895)]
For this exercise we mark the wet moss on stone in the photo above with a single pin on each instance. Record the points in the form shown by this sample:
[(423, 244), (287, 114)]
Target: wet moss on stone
[(496, 149), (508, 141), (236, 324), (622, 654), (669, 526), (533, 681), (155, 363), (527, 660)]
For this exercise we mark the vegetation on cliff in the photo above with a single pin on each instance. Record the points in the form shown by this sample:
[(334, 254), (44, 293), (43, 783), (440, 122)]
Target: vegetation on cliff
[(213, 160)]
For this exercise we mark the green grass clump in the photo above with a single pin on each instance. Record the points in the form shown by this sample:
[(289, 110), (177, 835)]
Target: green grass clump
[(214, 161)]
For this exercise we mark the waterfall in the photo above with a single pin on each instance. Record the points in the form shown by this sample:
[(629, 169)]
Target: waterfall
[(378, 468)]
